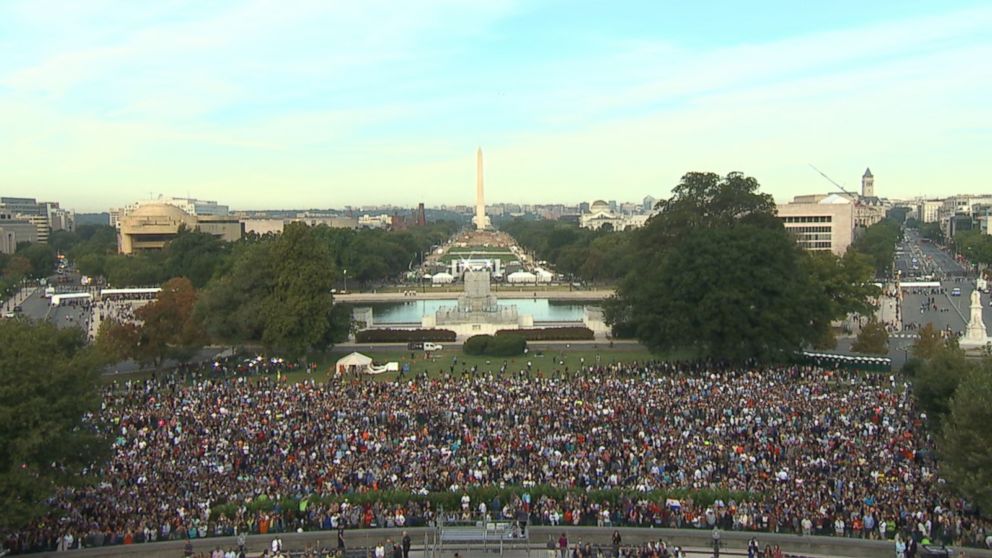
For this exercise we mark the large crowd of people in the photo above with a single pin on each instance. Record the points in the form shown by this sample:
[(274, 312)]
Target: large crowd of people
[(800, 449)]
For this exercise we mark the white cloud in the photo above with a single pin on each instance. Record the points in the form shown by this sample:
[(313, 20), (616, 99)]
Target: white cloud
[(218, 107)]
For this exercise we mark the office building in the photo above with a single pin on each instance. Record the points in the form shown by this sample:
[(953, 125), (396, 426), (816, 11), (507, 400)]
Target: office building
[(14, 230), (820, 222), (152, 225)]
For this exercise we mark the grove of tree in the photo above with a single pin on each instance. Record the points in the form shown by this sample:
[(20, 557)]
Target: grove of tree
[(716, 272), (49, 384)]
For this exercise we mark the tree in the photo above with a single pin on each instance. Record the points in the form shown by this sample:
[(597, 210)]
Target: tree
[(878, 242), (48, 385), (232, 306), (195, 255), (929, 342), (715, 271), (837, 287), (932, 232), (41, 257), (975, 246), (728, 293), (705, 199), (17, 268), (873, 339), (966, 444), (116, 341), (298, 310), (276, 292), (897, 214), (938, 379), (169, 328)]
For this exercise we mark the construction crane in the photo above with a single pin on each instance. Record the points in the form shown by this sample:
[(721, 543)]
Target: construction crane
[(854, 197)]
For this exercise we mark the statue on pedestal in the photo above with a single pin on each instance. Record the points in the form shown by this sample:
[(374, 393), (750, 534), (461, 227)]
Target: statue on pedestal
[(976, 333)]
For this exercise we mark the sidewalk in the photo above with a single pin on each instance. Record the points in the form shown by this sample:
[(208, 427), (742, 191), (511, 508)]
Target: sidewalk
[(20, 296)]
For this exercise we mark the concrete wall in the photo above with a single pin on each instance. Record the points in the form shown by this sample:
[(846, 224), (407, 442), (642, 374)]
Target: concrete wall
[(692, 538)]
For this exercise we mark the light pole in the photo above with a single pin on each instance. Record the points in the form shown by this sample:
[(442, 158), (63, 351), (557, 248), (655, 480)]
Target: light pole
[(346, 280)]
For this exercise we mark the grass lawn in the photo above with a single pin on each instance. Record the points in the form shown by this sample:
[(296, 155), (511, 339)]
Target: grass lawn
[(441, 362)]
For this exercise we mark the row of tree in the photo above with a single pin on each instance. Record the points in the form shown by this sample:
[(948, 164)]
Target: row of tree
[(878, 243), (590, 255), (369, 256), (49, 384), (273, 291), (975, 246), (955, 392), (29, 261), (930, 231)]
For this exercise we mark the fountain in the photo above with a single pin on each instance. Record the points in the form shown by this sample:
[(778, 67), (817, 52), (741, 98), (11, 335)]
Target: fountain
[(477, 311)]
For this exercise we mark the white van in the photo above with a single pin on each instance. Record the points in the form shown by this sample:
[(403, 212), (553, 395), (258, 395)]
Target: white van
[(432, 347)]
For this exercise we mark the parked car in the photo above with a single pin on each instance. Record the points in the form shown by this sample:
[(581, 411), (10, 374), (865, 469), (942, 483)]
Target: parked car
[(432, 347), (955, 292)]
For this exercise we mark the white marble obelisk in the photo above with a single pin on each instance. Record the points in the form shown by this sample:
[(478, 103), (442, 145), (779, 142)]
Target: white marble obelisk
[(481, 220), (976, 333)]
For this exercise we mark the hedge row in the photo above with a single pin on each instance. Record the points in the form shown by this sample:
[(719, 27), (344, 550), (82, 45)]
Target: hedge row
[(452, 500), (576, 333), (403, 335), (500, 346)]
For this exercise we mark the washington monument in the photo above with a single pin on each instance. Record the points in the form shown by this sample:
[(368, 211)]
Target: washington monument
[(481, 221)]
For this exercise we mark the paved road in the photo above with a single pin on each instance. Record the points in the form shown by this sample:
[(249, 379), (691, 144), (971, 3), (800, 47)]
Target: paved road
[(916, 259), (941, 307)]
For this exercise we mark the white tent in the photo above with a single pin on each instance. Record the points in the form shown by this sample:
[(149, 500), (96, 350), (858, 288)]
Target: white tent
[(521, 277), (442, 278), (355, 362), (543, 275)]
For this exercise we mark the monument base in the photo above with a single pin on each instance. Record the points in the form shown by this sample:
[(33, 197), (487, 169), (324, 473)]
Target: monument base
[(972, 343)]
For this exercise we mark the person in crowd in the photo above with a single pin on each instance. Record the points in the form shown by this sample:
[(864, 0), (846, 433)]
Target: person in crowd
[(811, 450)]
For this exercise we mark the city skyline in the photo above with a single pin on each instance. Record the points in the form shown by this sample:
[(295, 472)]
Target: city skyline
[(330, 105)]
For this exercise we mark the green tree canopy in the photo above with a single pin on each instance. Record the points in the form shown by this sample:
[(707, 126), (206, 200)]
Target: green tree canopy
[(966, 444), (48, 384), (932, 231), (169, 329), (195, 255), (975, 246), (938, 379), (276, 291), (40, 256), (298, 309), (728, 293), (928, 343), (878, 243), (873, 339), (716, 271)]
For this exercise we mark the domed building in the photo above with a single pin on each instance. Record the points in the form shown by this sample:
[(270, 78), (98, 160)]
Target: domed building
[(152, 225), (602, 215), (599, 206)]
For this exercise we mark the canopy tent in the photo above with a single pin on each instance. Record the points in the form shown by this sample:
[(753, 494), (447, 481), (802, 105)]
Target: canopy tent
[(442, 278), (355, 362), (521, 277)]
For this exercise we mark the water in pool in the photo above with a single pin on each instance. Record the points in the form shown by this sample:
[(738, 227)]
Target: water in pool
[(542, 309)]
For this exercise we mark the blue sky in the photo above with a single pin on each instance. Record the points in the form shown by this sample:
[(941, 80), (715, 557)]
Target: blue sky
[(274, 104)]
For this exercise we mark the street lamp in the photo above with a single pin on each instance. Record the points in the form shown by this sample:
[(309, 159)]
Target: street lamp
[(346, 280)]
